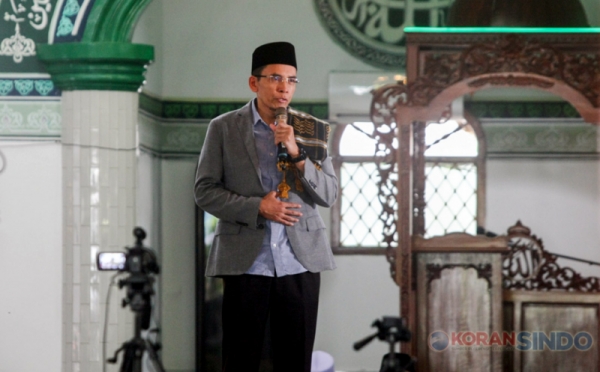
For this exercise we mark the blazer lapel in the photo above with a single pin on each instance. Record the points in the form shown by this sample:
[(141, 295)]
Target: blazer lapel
[(245, 126)]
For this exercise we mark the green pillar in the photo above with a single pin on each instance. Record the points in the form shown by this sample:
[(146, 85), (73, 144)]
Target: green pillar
[(100, 78)]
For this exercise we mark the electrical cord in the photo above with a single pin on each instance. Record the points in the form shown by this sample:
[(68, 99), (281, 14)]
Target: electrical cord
[(28, 143), (112, 283), (2, 162)]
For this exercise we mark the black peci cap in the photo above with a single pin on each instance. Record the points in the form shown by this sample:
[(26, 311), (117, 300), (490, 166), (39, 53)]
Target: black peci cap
[(280, 52)]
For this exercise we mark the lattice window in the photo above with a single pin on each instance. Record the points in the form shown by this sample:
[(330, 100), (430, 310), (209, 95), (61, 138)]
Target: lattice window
[(452, 184), (358, 209), (360, 224), (450, 198), (453, 178)]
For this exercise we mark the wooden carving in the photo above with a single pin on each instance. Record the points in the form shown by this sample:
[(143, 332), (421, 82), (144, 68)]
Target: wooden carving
[(505, 56), (434, 271), (517, 81), (529, 267), (383, 110), (476, 60)]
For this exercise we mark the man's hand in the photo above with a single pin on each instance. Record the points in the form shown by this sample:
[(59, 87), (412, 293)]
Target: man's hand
[(284, 133), (274, 209)]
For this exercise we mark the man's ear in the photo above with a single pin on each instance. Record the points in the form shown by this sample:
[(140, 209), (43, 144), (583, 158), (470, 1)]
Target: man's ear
[(253, 83)]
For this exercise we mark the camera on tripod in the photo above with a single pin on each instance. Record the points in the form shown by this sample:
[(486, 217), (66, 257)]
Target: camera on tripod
[(391, 329), (141, 264), (137, 259)]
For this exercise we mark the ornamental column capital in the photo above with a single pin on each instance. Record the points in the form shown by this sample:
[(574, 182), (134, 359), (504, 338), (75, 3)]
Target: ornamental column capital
[(101, 65)]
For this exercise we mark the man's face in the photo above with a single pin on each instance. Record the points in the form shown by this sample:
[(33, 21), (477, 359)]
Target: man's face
[(271, 94)]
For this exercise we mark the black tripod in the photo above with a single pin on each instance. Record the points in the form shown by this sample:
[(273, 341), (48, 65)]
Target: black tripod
[(133, 351), (141, 264), (392, 330)]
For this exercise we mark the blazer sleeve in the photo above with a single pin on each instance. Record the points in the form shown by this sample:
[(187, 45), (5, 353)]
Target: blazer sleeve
[(210, 190), (320, 182)]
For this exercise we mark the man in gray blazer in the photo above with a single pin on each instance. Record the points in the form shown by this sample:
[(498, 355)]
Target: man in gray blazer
[(269, 250)]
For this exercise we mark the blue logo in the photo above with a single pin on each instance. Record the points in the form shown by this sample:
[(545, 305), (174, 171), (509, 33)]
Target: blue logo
[(438, 341)]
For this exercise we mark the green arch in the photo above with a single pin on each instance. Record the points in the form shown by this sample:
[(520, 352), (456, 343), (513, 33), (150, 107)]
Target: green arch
[(113, 20), (105, 59)]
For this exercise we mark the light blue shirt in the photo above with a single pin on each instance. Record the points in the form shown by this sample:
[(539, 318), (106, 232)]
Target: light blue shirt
[(276, 257)]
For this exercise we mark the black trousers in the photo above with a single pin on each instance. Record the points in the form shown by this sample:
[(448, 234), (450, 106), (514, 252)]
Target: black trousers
[(290, 302)]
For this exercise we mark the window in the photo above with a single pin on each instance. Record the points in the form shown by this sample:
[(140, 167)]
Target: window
[(358, 209), (452, 179), (452, 184)]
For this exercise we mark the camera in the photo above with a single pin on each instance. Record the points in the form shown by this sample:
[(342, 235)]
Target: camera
[(137, 259), (141, 264)]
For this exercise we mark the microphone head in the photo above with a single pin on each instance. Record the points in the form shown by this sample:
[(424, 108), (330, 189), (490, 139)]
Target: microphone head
[(280, 111)]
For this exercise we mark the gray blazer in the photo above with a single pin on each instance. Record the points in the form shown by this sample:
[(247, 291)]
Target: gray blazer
[(228, 186)]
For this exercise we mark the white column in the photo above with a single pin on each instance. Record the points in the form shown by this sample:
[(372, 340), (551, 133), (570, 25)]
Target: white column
[(99, 186)]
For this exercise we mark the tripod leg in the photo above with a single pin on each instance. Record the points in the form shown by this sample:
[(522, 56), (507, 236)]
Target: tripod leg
[(153, 357), (397, 362), (130, 361)]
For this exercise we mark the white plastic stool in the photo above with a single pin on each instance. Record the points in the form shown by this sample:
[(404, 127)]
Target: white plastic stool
[(321, 362)]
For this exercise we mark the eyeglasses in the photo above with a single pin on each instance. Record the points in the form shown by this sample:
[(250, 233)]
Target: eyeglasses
[(280, 79)]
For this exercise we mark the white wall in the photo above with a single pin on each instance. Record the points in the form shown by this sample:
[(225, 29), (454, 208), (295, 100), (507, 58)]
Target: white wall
[(352, 296), (178, 263), (31, 258), (149, 30), (31, 253), (558, 199), (148, 202), (208, 45)]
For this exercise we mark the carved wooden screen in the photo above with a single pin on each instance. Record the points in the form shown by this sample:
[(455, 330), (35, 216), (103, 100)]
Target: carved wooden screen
[(559, 331), (459, 287), (444, 64), (553, 310)]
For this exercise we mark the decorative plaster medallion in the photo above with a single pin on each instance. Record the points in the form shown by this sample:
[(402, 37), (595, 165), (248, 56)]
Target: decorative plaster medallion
[(30, 119), (373, 30), (183, 138), (24, 87), (44, 87), (19, 46), (531, 137), (44, 119), (6, 86), (34, 87), (66, 24), (510, 139), (10, 119), (587, 139), (552, 138)]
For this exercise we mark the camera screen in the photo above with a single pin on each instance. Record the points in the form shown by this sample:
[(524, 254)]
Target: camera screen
[(112, 260)]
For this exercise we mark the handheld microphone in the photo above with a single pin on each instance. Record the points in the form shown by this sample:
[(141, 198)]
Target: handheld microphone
[(281, 117)]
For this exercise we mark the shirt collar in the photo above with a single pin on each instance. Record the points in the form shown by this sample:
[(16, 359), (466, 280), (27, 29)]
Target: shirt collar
[(256, 119)]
